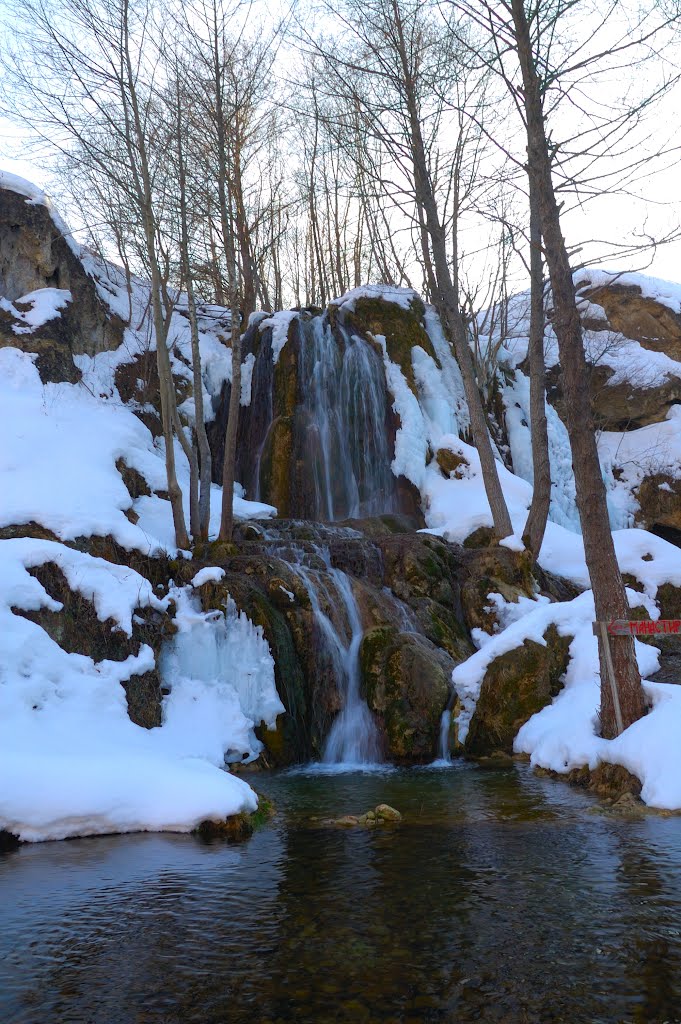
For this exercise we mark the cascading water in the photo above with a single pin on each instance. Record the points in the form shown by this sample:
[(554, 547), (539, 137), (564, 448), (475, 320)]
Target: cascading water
[(445, 723), (344, 411), (353, 738)]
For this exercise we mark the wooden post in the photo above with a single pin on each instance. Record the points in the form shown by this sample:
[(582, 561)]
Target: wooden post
[(607, 655)]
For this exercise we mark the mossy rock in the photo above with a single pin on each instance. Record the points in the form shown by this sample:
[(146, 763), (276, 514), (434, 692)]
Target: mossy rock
[(494, 570), (659, 498), (516, 686), (450, 463), (609, 781), (234, 829), (668, 598), (407, 681), (402, 329), (285, 382), (276, 465)]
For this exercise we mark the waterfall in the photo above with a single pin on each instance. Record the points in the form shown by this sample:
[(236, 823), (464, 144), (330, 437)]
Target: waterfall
[(344, 412), (353, 738), (445, 723)]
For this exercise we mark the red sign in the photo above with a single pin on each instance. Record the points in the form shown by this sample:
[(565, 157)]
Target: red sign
[(641, 627)]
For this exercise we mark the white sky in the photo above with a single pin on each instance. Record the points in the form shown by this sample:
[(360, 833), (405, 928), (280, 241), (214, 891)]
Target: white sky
[(655, 210)]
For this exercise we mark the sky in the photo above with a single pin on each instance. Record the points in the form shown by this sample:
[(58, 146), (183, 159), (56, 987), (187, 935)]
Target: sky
[(653, 208)]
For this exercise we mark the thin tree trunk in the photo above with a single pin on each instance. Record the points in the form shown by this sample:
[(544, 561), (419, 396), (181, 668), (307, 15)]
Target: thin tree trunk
[(448, 304), (606, 581), (199, 529), (136, 143), (533, 535)]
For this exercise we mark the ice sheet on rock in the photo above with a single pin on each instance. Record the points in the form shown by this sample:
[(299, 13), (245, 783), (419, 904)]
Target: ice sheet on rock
[(516, 399), (221, 677)]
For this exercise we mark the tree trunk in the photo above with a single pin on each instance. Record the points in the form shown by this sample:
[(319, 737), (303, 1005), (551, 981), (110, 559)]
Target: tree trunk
[(538, 515), (447, 299), (229, 464), (606, 581)]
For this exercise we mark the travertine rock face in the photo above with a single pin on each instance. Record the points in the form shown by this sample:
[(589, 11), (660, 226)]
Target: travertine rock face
[(642, 319), (33, 255)]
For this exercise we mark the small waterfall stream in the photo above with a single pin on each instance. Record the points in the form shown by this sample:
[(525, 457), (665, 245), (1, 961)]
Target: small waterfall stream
[(353, 737), (344, 408)]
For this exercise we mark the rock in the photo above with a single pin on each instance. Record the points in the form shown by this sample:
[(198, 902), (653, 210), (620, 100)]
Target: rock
[(654, 325), (450, 463), (408, 683), (347, 821), (387, 813), (516, 686), (659, 498), (35, 255), (493, 570)]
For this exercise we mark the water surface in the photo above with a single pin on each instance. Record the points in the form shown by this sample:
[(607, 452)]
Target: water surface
[(499, 898)]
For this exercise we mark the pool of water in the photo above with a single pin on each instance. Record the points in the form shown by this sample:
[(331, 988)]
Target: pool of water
[(499, 898)]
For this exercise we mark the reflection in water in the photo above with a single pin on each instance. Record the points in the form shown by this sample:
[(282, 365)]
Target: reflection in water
[(498, 899)]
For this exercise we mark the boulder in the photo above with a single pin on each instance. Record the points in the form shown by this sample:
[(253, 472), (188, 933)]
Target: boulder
[(516, 686), (407, 683)]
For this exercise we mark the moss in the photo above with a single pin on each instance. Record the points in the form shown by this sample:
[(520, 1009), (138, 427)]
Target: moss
[(401, 328), (407, 685), (450, 463), (276, 465), (516, 686), (234, 829), (483, 537)]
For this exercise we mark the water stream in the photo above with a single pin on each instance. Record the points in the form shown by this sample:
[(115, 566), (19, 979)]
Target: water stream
[(499, 899), (344, 412), (353, 738)]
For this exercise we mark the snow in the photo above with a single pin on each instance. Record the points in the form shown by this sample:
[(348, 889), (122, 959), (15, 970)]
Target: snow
[(71, 760), (667, 293), (411, 441), (280, 323), (403, 297), (211, 574), (45, 304), (51, 431)]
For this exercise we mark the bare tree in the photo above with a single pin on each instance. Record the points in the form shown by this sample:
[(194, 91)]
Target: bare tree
[(389, 71)]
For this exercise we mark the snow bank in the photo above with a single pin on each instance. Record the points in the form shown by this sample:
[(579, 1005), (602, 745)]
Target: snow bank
[(71, 761), (403, 297)]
